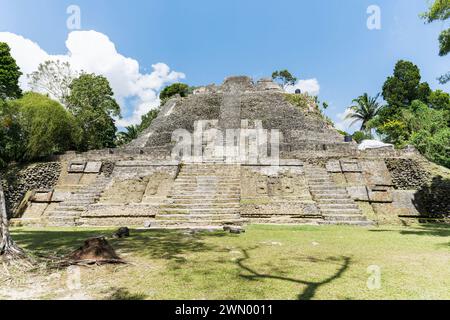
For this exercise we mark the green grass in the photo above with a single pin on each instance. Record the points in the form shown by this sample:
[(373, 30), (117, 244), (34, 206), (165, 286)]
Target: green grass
[(267, 262)]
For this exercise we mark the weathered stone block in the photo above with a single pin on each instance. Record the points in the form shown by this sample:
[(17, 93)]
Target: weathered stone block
[(87, 179), (42, 196), (71, 179), (35, 210), (404, 200), (76, 166), (339, 178), (350, 166), (354, 178), (358, 193), (376, 172), (334, 166), (93, 167), (380, 194), (60, 196)]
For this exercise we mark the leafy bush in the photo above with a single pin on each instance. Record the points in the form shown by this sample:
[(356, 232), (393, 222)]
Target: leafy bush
[(45, 126), (359, 136), (176, 88)]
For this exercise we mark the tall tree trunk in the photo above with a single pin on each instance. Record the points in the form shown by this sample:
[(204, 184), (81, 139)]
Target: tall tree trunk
[(8, 248)]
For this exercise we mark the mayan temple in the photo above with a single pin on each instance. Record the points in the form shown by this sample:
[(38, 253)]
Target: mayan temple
[(242, 152)]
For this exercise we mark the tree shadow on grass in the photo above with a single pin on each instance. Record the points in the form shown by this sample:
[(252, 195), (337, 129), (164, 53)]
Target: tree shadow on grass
[(157, 244), (435, 230), (311, 286)]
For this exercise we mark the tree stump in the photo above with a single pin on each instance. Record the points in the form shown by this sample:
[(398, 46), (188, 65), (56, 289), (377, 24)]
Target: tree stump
[(94, 251), (123, 232)]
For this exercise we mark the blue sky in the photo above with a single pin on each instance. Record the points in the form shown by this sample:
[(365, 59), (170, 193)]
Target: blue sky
[(209, 40)]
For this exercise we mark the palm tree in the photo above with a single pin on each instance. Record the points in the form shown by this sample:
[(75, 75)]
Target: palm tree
[(129, 135), (365, 108)]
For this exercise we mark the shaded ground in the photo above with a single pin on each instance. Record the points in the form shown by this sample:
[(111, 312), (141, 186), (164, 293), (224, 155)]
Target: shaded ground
[(267, 262)]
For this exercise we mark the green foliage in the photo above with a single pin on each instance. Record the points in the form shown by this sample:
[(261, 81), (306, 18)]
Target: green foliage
[(365, 108), (12, 138), (444, 78), (92, 103), (444, 42), (420, 117), (440, 10), (301, 101), (401, 89), (343, 133), (359, 136), (284, 77), (439, 100), (393, 131), (435, 147), (53, 77), (176, 88), (9, 74), (147, 119), (424, 127), (46, 126), (408, 101), (131, 133)]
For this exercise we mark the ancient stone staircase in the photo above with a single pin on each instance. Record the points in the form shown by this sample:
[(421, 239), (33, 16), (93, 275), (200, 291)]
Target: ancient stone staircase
[(335, 204), (203, 195), (68, 213)]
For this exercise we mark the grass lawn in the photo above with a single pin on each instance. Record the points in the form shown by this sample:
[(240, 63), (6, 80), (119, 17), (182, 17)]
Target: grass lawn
[(267, 262)]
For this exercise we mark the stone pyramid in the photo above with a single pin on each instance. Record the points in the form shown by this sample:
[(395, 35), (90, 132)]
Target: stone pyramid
[(241, 152)]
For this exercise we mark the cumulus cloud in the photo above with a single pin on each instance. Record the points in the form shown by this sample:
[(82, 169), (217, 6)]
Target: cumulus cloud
[(310, 86), (344, 124), (94, 52)]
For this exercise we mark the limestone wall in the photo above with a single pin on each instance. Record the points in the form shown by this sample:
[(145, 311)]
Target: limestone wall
[(277, 195), (20, 180)]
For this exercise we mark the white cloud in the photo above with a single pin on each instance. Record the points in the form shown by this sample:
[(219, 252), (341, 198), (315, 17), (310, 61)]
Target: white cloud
[(310, 86), (94, 52), (344, 124)]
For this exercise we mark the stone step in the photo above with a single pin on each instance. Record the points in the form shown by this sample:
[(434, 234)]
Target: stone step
[(211, 186), (206, 185), (199, 205), (332, 196), (331, 193), (83, 193), (345, 217), (62, 222), (317, 176), (61, 207), (198, 211), (325, 188), (82, 197), (203, 197), (182, 224), (205, 194), (336, 201), (75, 202), (283, 221), (224, 179), (349, 223), (320, 180), (338, 206), (197, 216), (340, 211)]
